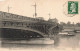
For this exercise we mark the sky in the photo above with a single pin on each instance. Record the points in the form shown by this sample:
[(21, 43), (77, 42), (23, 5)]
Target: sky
[(44, 7)]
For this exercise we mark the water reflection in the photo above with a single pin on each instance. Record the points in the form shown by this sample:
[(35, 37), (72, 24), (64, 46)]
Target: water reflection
[(69, 41), (59, 41)]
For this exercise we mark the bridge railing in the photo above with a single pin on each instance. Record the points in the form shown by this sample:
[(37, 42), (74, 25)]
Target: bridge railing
[(10, 16)]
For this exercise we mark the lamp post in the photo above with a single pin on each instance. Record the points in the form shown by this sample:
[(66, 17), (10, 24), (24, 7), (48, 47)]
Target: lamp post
[(35, 10)]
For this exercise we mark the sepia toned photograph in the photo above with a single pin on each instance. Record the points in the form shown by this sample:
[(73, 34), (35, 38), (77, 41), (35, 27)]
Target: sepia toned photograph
[(39, 25)]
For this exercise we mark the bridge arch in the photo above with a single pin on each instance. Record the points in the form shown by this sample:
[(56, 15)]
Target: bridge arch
[(26, 31)]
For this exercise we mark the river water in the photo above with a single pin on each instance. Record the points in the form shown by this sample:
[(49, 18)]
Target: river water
[(60, 43)]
